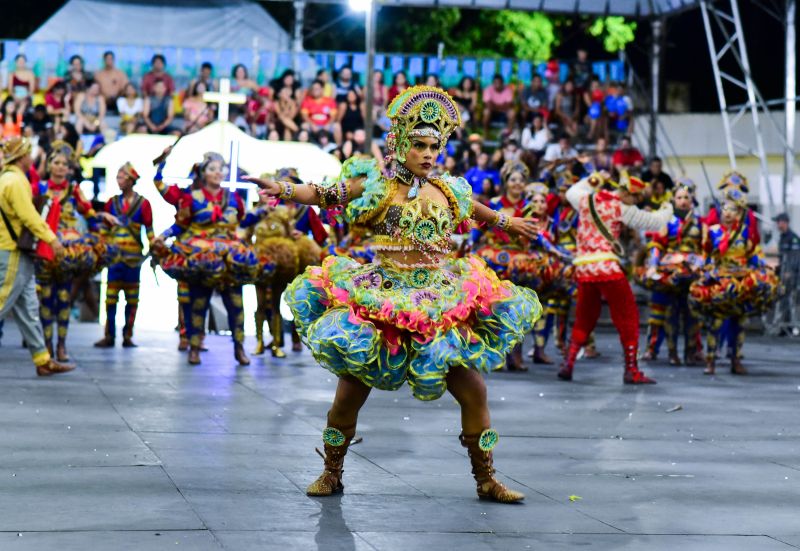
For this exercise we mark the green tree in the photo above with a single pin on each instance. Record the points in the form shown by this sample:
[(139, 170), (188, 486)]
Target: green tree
[(615, 32)]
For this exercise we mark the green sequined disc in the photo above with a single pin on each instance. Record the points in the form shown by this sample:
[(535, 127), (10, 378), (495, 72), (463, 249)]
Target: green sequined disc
[(488, 440), (430, 111), (333, 437)]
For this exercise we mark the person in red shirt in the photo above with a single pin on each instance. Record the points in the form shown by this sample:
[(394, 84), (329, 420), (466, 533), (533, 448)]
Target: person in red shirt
[(156, 73), (627, 157), (319, 112)]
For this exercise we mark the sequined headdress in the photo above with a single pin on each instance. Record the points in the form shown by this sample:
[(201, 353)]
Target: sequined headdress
[(60, 147), (128, 170), (631, 183), (420, 111), (686, 183), (511, 167), (735, 180), (735, 196)]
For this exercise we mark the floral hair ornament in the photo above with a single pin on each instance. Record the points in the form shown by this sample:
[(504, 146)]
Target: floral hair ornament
[(631, 184), (420, 111), (537, 188), (687, 184), (735, 180)]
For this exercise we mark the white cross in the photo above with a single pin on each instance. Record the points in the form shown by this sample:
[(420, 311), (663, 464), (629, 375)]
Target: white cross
[(224, 98)]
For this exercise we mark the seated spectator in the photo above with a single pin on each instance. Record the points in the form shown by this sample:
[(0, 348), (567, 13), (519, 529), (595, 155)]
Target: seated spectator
[(196, 112), (130, 108), (399, 85), (287, 112), (581, 71), (450, 166), (358, 145), (593, 105), (57, 102), (205, 76), (379, 96), (627, 157), (77, 78), (479, 175), (620, 109), (534, 99), (552, 74), (11, 118), (559, 153), (37, 121), (260, 112), (304, 136), (243, 84), (655, 195), (112, 81), (159, 111), (21, 81), (466, 95), (344, 83), (602, 159), (350, 115), (433, 81), (90, 111), (536, 136), (325, 141), (655, 173), (319, 112), (325, 78), (157, 73), (565, 111), (498, 104), (288, 80), (274, 136)]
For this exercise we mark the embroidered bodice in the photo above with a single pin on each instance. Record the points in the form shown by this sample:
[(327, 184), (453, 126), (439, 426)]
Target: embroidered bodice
[(73, 206), (202, 213), (127, 236), (407, 231), (565, 228), (730, 246)]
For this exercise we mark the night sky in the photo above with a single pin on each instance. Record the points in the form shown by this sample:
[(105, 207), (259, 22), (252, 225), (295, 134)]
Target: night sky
[(686, 55)]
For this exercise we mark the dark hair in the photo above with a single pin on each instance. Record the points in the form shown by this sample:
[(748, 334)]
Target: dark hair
[(563, 136), (59, 85), (536, 75), (196, 84), (397, 74), (236, 68), (108, 53), (158, 56), (20, 56), (74, 57), (317, 81), (466, 79), (320, 71), (498, 76), (206, 65), (655, 159)]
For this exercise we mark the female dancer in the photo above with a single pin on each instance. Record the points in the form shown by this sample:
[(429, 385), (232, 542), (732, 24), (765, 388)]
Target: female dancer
[(281, 236), (208, 255), (675, 257), (736, 283), (416, 314), (85, 252)]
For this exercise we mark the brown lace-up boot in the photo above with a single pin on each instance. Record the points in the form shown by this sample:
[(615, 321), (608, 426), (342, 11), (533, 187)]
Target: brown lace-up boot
[(336, 444), (479, 447)]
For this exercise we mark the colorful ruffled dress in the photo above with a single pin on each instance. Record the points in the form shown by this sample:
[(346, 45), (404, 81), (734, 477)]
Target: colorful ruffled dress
[(207, 249), (386, 322)]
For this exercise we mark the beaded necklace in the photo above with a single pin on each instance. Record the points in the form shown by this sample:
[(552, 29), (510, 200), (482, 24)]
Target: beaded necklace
[(408, 178)]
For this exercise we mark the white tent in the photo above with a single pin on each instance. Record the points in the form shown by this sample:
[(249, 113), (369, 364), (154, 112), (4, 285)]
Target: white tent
[(187, 23)]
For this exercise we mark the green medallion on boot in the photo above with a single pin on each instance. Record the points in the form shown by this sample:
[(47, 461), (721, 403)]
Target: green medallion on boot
[(333, 437), (488, 440)]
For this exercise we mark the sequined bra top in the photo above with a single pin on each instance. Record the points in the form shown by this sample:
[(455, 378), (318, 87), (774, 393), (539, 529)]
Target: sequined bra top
[(421, 224)]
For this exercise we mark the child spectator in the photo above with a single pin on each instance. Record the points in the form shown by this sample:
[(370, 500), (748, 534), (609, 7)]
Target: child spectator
[(259, 112)]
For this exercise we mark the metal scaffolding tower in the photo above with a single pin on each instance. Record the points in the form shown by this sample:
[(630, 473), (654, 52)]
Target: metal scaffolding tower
[(731, 66)]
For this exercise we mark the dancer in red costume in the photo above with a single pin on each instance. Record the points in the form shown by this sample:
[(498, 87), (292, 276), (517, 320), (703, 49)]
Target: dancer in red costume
[(602, 213)]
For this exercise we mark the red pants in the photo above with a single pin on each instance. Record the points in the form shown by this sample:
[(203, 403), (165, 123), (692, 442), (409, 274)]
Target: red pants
[(621, 302)]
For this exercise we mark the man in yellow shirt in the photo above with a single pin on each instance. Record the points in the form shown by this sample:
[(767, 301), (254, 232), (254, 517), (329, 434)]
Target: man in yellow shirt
[(17, 287)]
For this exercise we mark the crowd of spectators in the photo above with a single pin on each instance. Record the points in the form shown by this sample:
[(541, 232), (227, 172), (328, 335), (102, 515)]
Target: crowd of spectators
[(544, 123)]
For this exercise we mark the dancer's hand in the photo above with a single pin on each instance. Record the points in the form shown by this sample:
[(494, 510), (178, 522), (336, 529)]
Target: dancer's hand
[(58, 249), (110, 219), (526, 227), (268, 186)]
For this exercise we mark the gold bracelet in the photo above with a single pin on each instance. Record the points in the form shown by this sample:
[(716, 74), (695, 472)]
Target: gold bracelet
[(288, 191)]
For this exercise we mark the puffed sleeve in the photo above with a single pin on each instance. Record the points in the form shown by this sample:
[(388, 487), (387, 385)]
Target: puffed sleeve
[(376, 190)]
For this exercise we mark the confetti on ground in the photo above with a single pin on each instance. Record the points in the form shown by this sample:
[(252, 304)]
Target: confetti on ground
[(575, 498), (675, 408)]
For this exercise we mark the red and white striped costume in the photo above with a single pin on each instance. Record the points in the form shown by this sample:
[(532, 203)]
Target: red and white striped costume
[(600, 275)]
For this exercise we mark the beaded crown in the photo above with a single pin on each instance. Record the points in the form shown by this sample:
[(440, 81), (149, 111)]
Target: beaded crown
[(426, 106), (60, 147), (735, 180), (511, 167), (130, 171)]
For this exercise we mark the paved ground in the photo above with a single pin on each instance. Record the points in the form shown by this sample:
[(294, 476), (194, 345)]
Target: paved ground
[(138, 451)]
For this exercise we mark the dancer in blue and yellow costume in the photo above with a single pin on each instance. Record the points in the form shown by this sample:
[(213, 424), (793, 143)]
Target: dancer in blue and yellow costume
[(416, 314), (208, 255), (134, 214), (737, 283), (282, 236), (676, 256), (75, 222)]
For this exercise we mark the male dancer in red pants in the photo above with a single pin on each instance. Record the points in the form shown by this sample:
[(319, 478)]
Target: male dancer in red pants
[(602, 212)]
